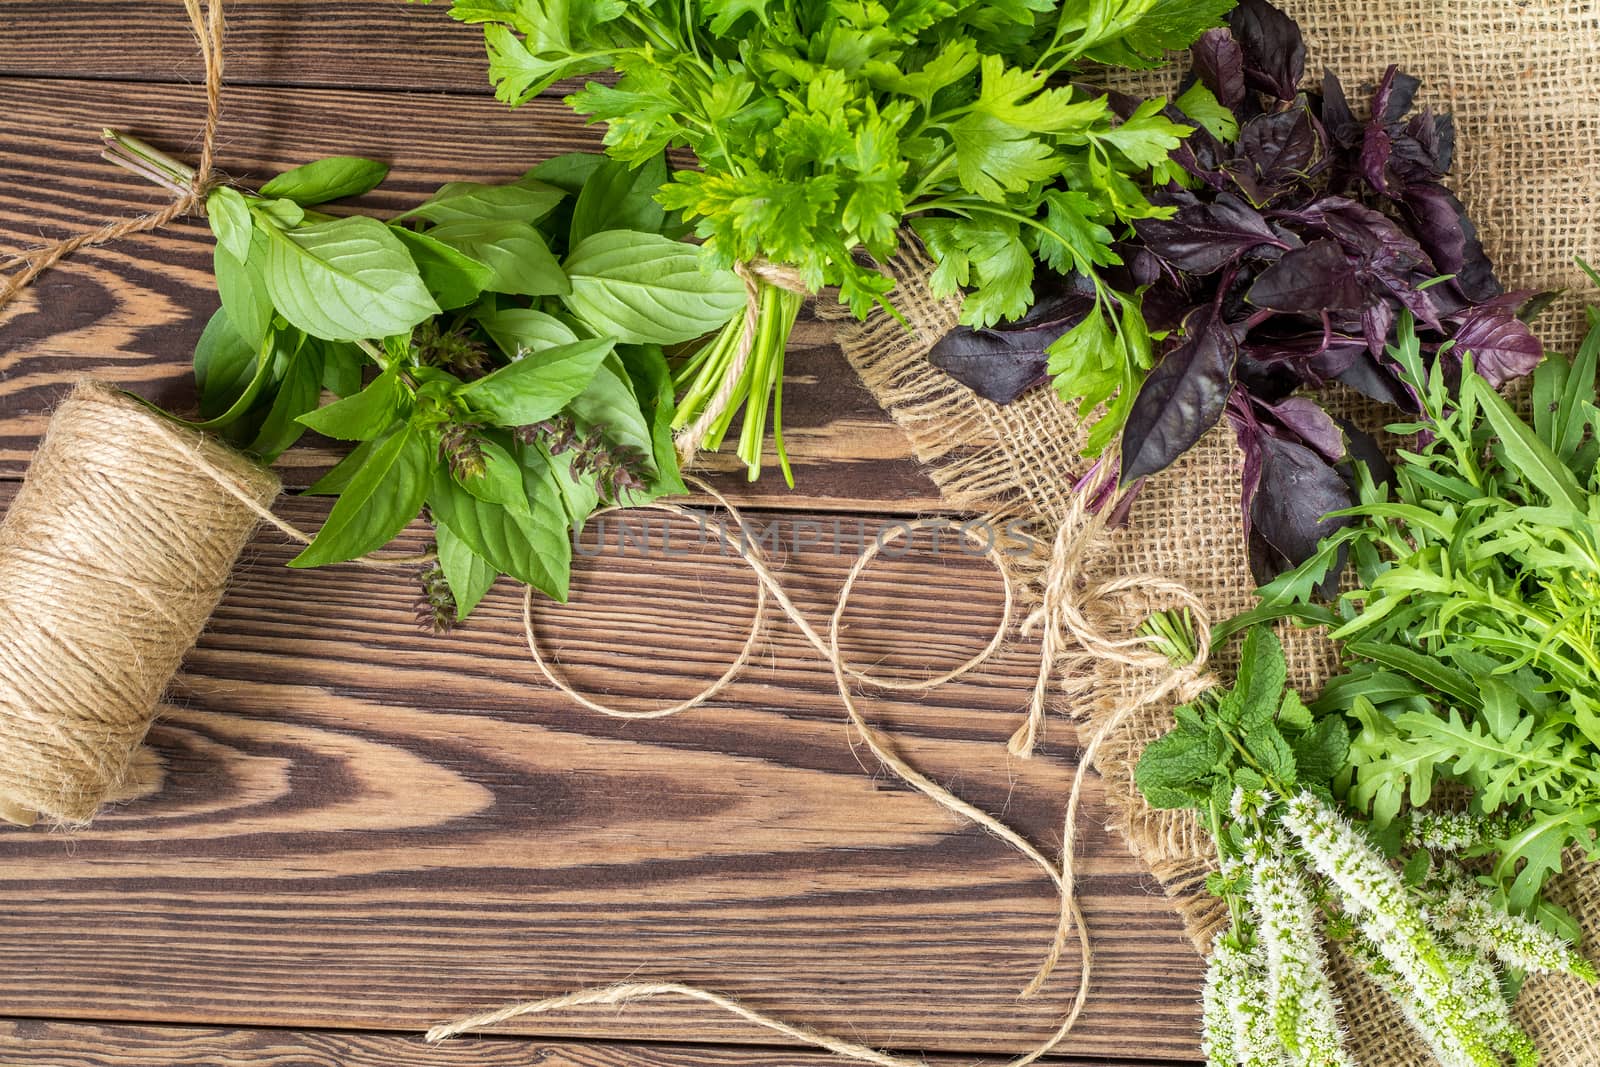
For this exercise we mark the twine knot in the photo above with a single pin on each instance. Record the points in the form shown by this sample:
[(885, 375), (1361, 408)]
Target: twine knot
[(208, 28)]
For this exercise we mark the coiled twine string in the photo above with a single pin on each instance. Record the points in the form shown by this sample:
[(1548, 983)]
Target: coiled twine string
[(115, 555)]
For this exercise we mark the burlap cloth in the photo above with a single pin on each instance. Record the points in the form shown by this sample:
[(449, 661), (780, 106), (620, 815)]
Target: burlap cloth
[(1523, 82)]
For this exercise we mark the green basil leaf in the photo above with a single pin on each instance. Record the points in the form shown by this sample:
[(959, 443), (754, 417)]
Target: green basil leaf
[(517, 331), (298, 392), (381, 498), (346, 280), (526, 201), (454, 278), (607, 404), (343, 365), (652, 384), (642, 288), (230, 220), (363, 416), (282, 214), (501, 480), (514, 251), (327, 179), (224, 364), (273, 352), (616, 197), (536, 386), (579, 495), (533, 547), (569, 172), (468, 574), (338, 479), (243, 289)]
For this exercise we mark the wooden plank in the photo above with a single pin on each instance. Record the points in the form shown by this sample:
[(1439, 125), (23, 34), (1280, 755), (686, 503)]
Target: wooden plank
[(130, 313), (61, 1044), (333, 43), (363, 827)]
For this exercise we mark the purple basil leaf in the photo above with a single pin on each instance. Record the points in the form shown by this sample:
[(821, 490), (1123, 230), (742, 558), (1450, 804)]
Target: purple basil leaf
[(1502, 346), (1219, 63), (1377, 319), (1337, 118), (1296, 491), (1363, 448), (1370, 236), (1277, 150), (1376, 148), (1274, 50), (1367, 376), (1308, 280), (1442, 226), (1202, 238), (1404, 286), (1182, 398), (1424, 150), (1394, 95), (997, 366), (1305, 419)]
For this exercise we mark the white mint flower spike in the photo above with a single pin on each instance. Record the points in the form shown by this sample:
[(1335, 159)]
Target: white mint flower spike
[(1425, 986), (1472, 919), (1216, 1023), (1242, 973), (1303, 1007)]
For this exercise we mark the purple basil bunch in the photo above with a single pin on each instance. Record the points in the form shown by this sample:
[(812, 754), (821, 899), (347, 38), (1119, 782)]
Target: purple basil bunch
[(1301, 231), (1293, 251)]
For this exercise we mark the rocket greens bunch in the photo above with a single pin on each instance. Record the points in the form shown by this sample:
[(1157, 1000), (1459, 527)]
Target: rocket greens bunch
[(1300, 879)]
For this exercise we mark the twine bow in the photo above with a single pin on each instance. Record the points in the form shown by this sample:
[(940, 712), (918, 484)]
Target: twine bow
[(208, 27)]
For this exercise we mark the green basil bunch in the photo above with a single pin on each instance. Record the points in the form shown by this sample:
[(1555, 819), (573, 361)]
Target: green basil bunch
[(495, 354)]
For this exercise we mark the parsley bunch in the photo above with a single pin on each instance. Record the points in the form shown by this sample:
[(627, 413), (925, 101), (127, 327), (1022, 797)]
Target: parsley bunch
[(1473, 634), (822, 127)]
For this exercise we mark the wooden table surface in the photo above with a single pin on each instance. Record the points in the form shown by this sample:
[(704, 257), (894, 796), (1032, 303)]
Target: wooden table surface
[(359, 830)]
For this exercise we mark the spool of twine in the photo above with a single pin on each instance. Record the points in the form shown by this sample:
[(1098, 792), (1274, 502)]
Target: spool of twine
[(112, 557)]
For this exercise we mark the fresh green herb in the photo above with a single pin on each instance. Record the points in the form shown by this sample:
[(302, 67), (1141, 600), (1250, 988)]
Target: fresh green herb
[(1300, 880), (495, 354), (824, 127), (1474, 632)]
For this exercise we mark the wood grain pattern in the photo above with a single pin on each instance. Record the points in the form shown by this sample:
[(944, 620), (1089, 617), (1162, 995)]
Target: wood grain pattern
[(103, 1045), (326, 43), (361, 826), (130, 313)]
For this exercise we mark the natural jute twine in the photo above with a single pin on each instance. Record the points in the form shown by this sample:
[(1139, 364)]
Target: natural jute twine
[(1065, 615), (689, 439), (112, 557), (208, 30)]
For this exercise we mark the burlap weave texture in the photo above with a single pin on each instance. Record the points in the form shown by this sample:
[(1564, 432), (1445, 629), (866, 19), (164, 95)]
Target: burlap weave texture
[(1522, 79)]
